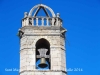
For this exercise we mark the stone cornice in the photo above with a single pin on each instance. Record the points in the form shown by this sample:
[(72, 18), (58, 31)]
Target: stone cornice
[(43, 71), (43, 27)]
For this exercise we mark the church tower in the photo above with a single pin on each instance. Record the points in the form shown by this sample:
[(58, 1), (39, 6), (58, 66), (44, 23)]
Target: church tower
[(42, 43)]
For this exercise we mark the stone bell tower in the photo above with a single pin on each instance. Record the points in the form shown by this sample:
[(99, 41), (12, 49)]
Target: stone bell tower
[(42, 43)]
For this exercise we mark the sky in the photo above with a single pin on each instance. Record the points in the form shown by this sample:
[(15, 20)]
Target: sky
[(81, 18)]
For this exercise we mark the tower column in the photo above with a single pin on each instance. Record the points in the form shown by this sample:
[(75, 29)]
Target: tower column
[(36, 21), (32, 21), (42, 21), (47, 22)]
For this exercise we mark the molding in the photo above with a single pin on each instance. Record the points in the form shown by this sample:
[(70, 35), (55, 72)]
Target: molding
[(41, 27), (43, 71)]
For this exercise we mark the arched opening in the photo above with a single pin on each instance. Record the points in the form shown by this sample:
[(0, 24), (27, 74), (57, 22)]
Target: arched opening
[(43, 44)]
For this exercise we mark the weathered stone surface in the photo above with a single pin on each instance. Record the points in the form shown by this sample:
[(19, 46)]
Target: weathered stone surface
[(28, 42)]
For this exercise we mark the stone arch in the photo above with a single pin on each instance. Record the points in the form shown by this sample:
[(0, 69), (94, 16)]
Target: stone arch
[(41, 5), (43, 43)]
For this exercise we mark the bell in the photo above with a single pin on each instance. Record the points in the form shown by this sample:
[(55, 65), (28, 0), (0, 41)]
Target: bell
[(42, 63)]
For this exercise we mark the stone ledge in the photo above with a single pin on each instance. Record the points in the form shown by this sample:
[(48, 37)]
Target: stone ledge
[(43, 71), (39, 34), (42, 27), (25, 49)]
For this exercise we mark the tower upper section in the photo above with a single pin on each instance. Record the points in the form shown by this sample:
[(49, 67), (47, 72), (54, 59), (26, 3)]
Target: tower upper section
[(31, 18)]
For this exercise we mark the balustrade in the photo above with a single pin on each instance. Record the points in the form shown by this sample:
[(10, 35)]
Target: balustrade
[(41, 21)]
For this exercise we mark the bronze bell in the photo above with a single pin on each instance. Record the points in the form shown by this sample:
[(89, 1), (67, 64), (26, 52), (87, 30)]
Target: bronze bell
[(43, 63)]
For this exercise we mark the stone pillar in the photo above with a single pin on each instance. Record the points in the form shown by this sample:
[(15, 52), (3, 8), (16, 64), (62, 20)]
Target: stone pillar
[(23, 23), (42, 21), (57, 22), (52, 21), (32, 21), (27, 21), (47, 22), (36, 21)]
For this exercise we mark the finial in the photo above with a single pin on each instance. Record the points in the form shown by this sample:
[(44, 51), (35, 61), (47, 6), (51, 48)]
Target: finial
[(25, 14), (58, 14)]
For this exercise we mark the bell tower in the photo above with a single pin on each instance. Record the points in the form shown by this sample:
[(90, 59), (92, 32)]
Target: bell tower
[(42, 43)]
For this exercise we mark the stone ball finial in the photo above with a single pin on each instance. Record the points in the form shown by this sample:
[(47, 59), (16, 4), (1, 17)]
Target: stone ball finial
[(58, 14), (25, 14)]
